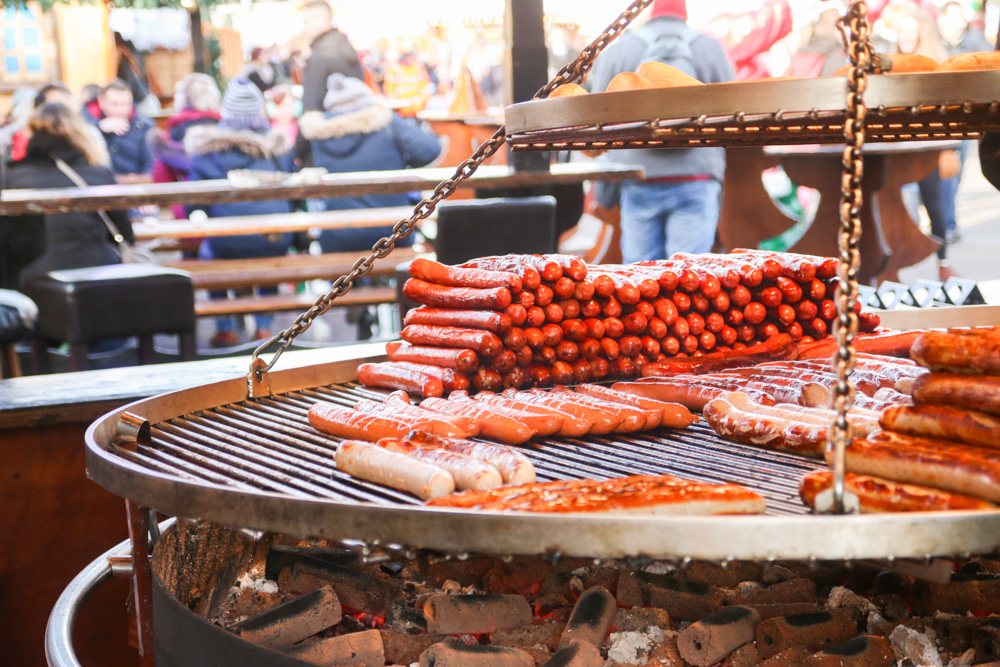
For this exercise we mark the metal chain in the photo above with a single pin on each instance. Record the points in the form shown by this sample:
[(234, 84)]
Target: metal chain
[(846, 325), (574, 71)]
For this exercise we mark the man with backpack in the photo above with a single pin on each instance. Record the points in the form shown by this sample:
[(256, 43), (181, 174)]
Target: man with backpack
[(676, 209)]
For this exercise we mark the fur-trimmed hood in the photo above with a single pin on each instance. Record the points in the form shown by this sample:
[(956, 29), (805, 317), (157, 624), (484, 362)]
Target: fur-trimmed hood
[(205, 139), (319, 126)]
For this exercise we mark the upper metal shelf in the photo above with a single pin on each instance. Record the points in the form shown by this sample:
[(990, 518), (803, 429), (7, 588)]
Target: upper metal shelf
[(901, 107)]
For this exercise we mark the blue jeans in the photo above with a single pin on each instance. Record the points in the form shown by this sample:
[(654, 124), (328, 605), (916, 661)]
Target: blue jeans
[(659, 219)]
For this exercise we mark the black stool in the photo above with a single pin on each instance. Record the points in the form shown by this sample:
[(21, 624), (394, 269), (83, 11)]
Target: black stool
[(81, 306), (480, 227)]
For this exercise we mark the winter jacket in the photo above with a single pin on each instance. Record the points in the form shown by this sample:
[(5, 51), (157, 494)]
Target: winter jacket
[(330, 53), (170, 161), (35, 244), (130, 154), (711, 66), (368, 139), (217, 150)]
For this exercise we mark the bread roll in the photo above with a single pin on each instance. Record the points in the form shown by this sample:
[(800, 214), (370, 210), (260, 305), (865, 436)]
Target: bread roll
[(568, 90), (902, 63), (627, 81), (971, 61), (661, 75)]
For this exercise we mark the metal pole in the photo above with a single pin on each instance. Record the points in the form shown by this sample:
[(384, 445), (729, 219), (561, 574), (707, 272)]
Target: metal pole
[(526, 65)]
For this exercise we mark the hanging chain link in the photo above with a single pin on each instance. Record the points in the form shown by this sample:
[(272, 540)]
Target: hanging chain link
[(846, 325), (574, 71)]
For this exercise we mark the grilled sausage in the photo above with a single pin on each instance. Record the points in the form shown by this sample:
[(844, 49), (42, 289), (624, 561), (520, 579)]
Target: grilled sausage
[(543, 424), (673, 415), (975, 392), (468, 473), (347, 423), (482, 342), (451, 380), (972, 351), (769, 431), (943, 421), (570, 426), (494, 425), (631, 419), (436, 423), (882, 495), (464, 361), (514, 467), (395, 470), (519, 265)]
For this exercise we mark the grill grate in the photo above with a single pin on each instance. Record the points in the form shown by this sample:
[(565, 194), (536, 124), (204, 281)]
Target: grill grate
[(268, 445)]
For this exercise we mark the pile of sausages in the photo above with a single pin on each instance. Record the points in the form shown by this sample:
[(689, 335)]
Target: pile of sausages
[(535, 320), (942, 452)]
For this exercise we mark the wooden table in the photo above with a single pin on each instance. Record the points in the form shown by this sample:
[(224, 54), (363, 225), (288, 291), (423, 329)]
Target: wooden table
[(62, 200), (239, 225), (890, 238)]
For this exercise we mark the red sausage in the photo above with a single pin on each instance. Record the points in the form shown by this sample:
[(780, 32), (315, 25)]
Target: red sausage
[(682, 302), (740, 296), (539, 376), (700, 304), (574, 330), (515, 379), (515, 340), (454, 276), (536, 317), (517, 313), (770, 297), (671, 345), (504, 362), (746, 333), (571, 308), (498, 323), (544, 295), (553, 334), (562, 373), (646, 308), (794, 330), (650, 347), (734, 317), (828, 309), (680, 329), (611, 307), (624, 367), (666, 310), (564, 288), (767, 330), (391, 375), (613, 327), (791, 291), (464, 361), (658, 328), (714, 322), (817, 289), (496, 298), (546, 355), (690, 344), (516, 264), (485, 343), (631, 346), (590, 349), (534, 338), (600, 368), (525, 357), (595, 327), (806, 310), (689, 281), (526, 299), (635, 323), (721, 303), (755, 313), (604, 285), (582, 371), (707, 340), (696, 324), (584, 290), (610, 348), (728, 335), (590, 308), (487, 379), (554, 313)]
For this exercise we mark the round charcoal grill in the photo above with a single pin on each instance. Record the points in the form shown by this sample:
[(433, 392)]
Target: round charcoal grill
[(211, 453)]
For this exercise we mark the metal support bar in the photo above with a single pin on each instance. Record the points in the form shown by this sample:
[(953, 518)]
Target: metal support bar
[(142, 584)]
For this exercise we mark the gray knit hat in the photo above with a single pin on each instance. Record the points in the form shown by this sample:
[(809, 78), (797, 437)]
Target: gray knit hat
[(346, 94), (243, 106)]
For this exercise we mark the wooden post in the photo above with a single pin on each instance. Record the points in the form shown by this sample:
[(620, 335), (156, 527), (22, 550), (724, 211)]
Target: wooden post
[(526, 64), (197, 39)]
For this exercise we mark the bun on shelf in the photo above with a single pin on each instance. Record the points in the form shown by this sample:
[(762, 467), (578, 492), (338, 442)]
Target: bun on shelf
[(628, 81), (971, 61), (903, 63), (568, 90), (661, 75)]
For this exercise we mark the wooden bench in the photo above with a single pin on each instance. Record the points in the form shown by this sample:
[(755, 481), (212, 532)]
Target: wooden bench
[(249, 305), (223, 274)]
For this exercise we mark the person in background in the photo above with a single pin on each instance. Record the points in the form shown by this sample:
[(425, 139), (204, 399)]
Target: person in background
[(22, 103), (243, 139), (70, 240), (123, 128), (284, 112), (823, 53), (132, 71), (917, 33), (260, 70), (676, 209), (407, 82), (357, 133), (88, 94), (197, 100), (330, 53)]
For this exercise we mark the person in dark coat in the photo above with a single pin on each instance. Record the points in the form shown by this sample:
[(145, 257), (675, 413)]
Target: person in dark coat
[(330, 53), (124, 129), (243, 139), (39, 244), (356, 133)]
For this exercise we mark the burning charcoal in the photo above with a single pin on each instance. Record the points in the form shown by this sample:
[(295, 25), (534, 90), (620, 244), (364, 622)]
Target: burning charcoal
[(605, 577), (887, 582), (814, 631), (978, 593), (403, 649), (892, 605), (633, 648), (523, 575), (469, 572), (775, 574), (358, 649), (591, 618), (248, 602), (711, 639), (846, 600), (767, 611), (986, 641), (545, 636), (462, 655), (629, 593), (281, 556), (796, 590), (293, 621), (863, 651), (666, 655), (637, 620), (403, 619), (956, 633), (475, 614), (908, 644), (683, 600), (744, 656), (795, 656), (580, 654), (715, 574), (356, 591)]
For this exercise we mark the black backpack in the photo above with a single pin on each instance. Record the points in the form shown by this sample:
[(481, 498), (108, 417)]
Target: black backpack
[(669, 43)]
